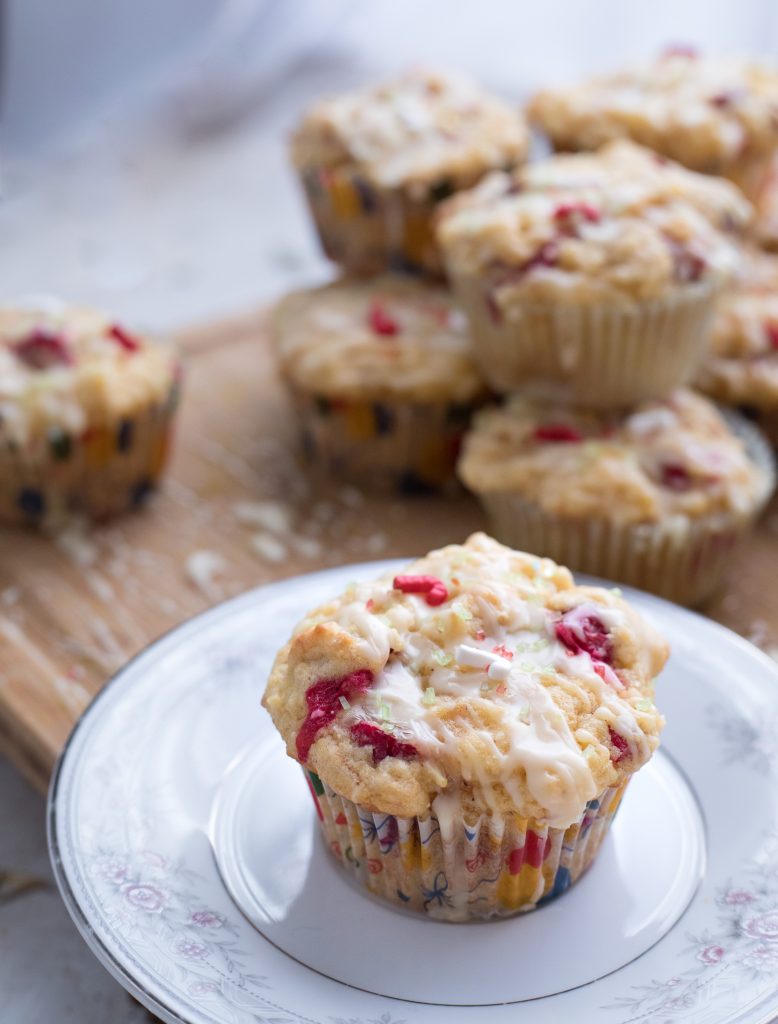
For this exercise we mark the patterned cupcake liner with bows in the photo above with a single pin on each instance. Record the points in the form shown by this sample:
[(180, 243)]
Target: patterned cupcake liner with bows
[(455, 871), (404, 447), (368, 229), (99, 473), (602, 356)]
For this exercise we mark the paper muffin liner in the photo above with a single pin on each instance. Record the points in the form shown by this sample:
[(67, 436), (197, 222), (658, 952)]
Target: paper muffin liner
[(104, 471), (683, 560), (369, 230), (407, 447), (455, 871), (600, 356)]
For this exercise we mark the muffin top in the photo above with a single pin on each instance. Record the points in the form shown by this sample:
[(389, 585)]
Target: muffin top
[(641, 173), (742, 365), (619, 240), (478, 676), (674, 457), (426, 131), (387, 337), (705, 112), (68, 368)]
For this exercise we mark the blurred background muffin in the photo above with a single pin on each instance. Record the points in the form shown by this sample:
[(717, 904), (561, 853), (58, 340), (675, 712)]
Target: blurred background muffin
[(657, 498), (86, 409), (375, 163), (714, 114), (382, 379)]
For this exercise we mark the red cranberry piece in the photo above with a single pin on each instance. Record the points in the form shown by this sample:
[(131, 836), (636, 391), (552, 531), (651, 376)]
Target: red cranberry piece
[(621, 746), (771, 330), (434, 590), (323, 700), (546, 256), (681, 50), (689, 266), (725, 99), (381, 322), (676, 477), (42, 349), (584, 211), (585, 634), (557, 432), (126, 340), (384, 744), (495, 313)]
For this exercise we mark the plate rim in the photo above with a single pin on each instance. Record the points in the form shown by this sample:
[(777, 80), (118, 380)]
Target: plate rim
[(223, 608)]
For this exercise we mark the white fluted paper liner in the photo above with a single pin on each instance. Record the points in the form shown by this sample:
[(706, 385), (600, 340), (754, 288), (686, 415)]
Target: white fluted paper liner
[(599, 356), (408, 447), (453, 871), (681, 559)]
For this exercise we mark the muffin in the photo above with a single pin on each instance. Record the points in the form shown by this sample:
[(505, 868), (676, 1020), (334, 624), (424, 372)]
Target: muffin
[(597, 294), (382, 378), (765, 233), (656, 498), (718, 115), (741, 367), (375, 163), (468, 726), (631, 168), (85, 414)]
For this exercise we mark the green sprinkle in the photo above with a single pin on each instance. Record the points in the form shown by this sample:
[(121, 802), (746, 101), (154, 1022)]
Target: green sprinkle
[(539, 645), (461, 612), (524, 713), (383, 710), (442, 658), (528, 666), (522, 648), (616, 591), (344, 702), (428, 696), (645, 704)]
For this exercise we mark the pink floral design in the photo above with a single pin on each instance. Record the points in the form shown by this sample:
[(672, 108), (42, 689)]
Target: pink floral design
[(190, 948), (763, 927), (156, 860), (709, 955), (206, 919), (202, 988), (763, 956), (114, 870), (145, 897), (736, 897)]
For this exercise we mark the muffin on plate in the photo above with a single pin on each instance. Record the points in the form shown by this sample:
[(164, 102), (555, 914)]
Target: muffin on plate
[(765, 231), (375, 163), (656, 498), (382, 378), (85, 414), (468, 726), (598, 294), (741, 367), (718, 115)]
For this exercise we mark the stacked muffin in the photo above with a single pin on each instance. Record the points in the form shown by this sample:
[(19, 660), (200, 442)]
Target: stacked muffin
[(589, 282), (379, 362)]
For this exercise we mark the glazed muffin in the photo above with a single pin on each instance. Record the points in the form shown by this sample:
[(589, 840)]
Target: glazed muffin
[(597, 294), (718, 115), (382, 378), (626, 166), (741, 367), (85, 414), (468, 726), (375, 163), (656, 498)]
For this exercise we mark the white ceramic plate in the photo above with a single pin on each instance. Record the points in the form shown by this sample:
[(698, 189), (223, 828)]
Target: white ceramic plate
[(186, 849)]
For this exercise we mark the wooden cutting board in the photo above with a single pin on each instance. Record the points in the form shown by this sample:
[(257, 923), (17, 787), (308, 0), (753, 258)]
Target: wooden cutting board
[(235, 512)]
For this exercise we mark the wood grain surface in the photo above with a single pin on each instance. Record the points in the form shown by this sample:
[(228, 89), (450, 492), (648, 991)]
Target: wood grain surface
[(235, 512)]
